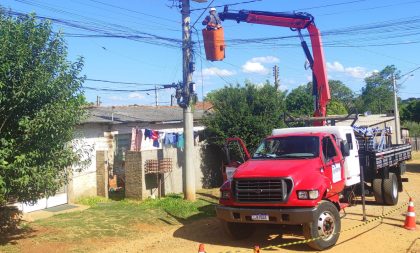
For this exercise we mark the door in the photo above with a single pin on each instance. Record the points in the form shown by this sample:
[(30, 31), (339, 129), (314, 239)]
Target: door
[(236, 153), (333, 165), (352, 163)]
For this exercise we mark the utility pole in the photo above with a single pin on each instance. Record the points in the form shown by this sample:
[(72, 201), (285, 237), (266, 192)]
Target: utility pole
[(156, 96), (396, 112), (276, 76), (187, 66)]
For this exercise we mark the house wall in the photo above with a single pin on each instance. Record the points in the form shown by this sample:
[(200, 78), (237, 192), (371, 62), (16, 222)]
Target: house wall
[(83, 182), (103, 138)]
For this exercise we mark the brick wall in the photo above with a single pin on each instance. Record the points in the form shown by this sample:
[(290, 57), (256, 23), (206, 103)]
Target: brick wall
[(134, 175), (100, 173)]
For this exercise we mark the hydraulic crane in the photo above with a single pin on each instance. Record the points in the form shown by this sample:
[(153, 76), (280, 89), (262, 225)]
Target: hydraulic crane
[(296, 22)]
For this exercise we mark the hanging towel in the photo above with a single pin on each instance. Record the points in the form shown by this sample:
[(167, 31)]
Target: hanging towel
[(180, 143)]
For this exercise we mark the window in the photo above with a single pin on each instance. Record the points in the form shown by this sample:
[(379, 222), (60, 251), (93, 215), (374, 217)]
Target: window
[(288, 147), (328, 149), (349, 141)]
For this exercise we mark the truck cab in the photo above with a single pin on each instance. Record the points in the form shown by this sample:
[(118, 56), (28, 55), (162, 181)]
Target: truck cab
[(295, 176)]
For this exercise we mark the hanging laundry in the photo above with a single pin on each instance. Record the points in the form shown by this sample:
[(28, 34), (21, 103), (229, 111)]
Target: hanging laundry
[(155, 138), (133, 139), (180, 142), (147, 133), (139, 138), (170, 139), (196, 138)]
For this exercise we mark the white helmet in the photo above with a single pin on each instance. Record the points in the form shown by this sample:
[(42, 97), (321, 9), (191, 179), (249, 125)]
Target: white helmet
[(212, 9)]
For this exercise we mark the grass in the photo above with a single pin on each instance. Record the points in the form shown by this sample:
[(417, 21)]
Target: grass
[(108, 218)]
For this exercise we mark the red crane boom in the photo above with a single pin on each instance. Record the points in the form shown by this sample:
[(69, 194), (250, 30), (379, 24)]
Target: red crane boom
[(296, 21)]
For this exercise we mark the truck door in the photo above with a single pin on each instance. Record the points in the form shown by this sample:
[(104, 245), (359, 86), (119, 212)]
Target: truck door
[(236, 153), (333, 165)]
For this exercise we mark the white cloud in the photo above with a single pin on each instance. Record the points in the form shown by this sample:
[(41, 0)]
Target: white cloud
[(256, 64), (135, 95), (213, 71), (254, 67), (356, 72), (265, 59)]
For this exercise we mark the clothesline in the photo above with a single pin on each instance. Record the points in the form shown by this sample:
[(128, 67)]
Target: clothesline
[(147, 139)]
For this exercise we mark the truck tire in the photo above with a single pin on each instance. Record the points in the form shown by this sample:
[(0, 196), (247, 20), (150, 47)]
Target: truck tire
[(238, 231), (327, 225), (391, 190), (377, 190)]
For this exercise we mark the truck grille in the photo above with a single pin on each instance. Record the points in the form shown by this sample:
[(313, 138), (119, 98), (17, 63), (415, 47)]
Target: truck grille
[(262, 190)]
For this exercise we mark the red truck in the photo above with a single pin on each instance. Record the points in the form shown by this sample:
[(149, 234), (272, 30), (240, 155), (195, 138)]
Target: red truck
[(304, 175)]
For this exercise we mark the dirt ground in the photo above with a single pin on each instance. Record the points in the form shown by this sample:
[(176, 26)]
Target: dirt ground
[(384, 235)]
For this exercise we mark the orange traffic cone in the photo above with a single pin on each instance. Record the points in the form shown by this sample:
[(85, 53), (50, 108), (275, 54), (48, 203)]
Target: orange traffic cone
[(201, 248), (256, 249), (410, 217)]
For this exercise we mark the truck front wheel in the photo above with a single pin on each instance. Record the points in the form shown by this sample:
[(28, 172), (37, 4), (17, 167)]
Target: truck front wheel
[(325, 227), (238, 231)]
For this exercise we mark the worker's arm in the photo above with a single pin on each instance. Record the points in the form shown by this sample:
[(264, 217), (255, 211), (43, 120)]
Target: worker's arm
[(206, 21)]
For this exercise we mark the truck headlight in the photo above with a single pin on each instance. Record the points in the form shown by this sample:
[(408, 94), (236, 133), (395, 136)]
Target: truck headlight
[(308, 194), (225, 194), (225, 190)]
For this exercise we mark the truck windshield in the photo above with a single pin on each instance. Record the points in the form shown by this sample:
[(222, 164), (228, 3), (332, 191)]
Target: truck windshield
[(288, 147)]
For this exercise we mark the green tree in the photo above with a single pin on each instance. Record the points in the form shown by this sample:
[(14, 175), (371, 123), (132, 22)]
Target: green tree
[(40, 103), (300, 102), (377, 95), (250, 112), (411, 111)]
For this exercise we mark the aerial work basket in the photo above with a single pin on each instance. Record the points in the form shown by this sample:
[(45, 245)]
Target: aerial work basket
[(214, 44)]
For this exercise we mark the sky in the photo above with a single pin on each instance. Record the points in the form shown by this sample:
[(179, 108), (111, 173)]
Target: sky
[(135, 45)]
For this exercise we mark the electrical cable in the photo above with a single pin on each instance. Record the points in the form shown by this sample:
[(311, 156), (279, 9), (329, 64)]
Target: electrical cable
[(121, 82), (245, 2)]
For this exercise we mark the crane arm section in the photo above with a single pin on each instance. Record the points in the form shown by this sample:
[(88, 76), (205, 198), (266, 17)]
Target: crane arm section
[(296, 21)]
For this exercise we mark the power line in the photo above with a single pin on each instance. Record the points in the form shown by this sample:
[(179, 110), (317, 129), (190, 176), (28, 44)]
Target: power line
[(123, 82), (134, 11), (330, 5), (411, 71), (119, 90), (245, 2)]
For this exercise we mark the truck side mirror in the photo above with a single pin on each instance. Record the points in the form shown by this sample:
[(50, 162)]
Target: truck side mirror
[(345, 148)]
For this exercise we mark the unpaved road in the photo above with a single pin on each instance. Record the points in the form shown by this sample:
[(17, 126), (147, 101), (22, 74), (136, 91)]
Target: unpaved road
[(384, 235)]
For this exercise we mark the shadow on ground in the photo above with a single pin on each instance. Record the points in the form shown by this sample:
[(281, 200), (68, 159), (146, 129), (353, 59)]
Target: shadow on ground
[(12, 237), (209, 231)]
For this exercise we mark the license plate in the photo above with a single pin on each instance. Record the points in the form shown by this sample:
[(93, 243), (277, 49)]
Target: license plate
[(260, 217)]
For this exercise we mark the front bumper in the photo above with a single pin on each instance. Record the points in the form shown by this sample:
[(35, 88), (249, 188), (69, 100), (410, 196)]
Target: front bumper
[(291, 216)]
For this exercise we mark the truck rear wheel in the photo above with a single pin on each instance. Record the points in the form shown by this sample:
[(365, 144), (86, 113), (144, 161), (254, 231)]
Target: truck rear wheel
[(377, 190), (238, 231), (326, 227), (391, 190), (386, 190)]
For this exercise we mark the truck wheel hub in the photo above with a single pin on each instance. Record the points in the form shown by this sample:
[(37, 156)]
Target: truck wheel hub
[(326, 224)]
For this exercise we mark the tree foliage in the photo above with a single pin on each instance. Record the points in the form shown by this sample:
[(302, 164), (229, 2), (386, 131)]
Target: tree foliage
[(250, 112), (377, 95), (40, 103), (300, 102), (410, 111)]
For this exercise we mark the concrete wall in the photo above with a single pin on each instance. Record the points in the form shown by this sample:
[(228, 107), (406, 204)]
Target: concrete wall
[(140, 185)]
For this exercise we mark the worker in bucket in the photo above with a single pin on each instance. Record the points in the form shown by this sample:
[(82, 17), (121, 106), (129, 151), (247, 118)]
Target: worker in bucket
[(212, 21)]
